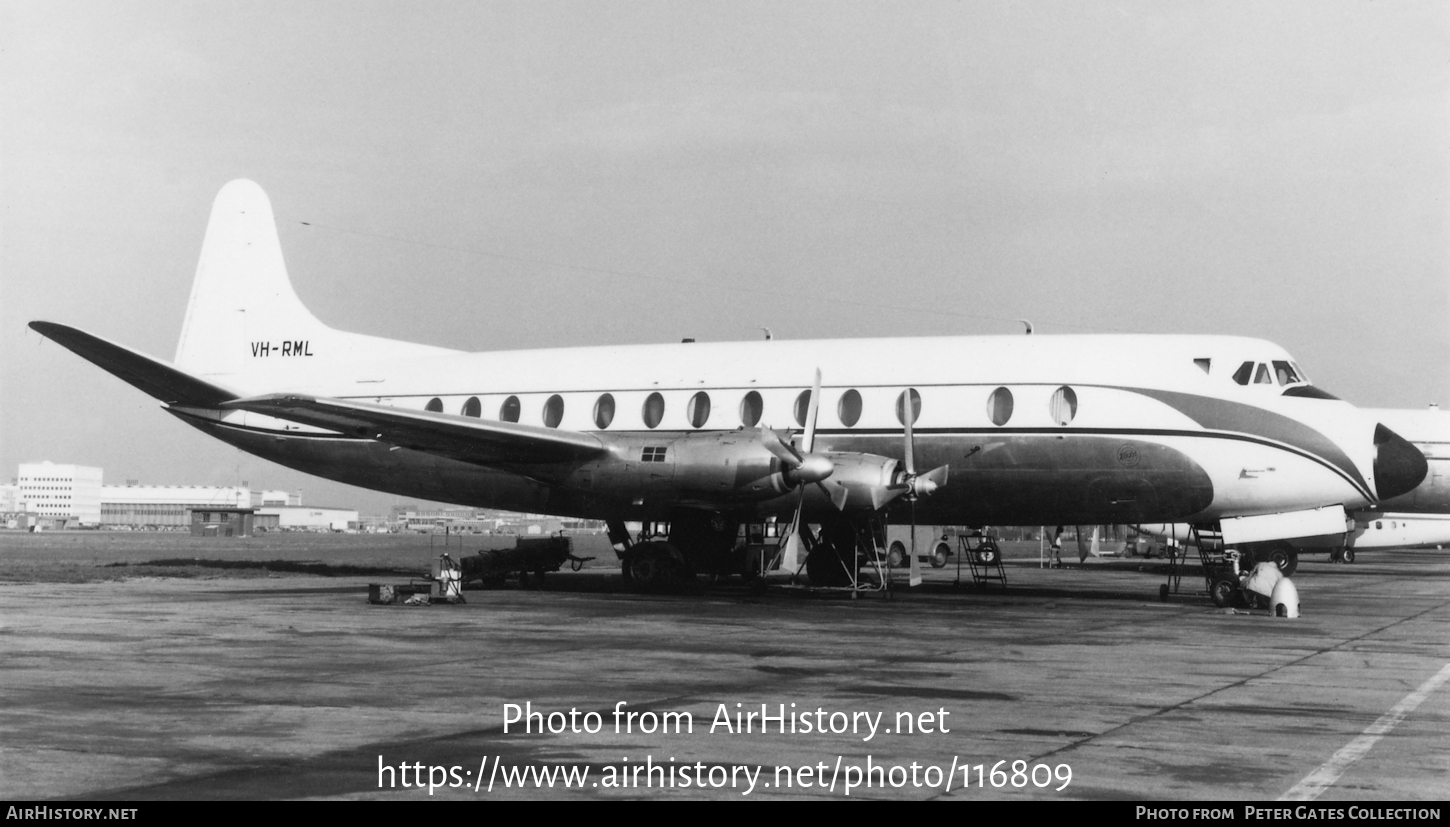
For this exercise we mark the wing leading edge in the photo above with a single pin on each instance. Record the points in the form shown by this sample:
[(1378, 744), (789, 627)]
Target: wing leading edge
[(478, 441)]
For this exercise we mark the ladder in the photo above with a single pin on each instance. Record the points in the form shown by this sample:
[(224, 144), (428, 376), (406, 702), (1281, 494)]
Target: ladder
[(984, 559)]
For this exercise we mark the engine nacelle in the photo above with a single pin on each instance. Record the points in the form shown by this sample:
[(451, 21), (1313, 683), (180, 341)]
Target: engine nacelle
[(861, 482), (732, 465), (736, 466)]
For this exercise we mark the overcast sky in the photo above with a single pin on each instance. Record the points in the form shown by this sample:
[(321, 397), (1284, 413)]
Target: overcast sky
[(502, 175)]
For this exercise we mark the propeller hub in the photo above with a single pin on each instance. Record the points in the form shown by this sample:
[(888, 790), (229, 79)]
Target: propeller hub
[(812, 468)]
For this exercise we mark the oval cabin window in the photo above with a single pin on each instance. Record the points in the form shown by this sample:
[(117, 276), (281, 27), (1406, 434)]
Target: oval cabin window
[(604, 411), (654, 410), (554, 411), (999, 406), (435, 405), (751, 409), (509, 410), (849, 408), (698, 411), (1064, 405), (472, 407), (802, 407), (901, 402)]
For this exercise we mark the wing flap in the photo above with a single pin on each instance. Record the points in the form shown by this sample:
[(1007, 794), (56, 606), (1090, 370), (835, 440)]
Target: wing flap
[(479, 441), (153, 376)]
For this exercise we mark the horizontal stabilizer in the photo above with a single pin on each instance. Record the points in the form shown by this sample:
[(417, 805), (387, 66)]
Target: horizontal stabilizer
[(153, 376), (464, 438)]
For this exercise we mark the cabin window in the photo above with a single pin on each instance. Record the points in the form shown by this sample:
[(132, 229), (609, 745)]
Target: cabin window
[(901, 403), (698, 409), (1242, 375), (1378, 525), (509, 410), (751, 408), (849, 408), (553, 411), (604, 411), (999, 406), (1286, 374), (472, 407), (435, 405), (654, 410), (1064, 405), (802, 407)]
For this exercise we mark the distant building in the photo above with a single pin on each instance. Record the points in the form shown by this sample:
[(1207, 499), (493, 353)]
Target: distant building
[(222, 522), (165, 506), (306, 518), (68, 493)]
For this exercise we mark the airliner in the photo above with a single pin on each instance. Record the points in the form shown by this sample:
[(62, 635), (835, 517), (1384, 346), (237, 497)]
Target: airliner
[(1017, 430)]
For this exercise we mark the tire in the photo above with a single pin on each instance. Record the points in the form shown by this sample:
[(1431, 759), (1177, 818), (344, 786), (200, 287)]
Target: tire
[(1348, 555), (939, 554), (1223, 593), (1163, 593), (1282, 555), (988, 554), (896, 557)]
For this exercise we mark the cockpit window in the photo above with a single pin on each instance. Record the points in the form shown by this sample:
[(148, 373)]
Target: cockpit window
[(1242, 375), (1286, 373), (1203, 364), (1262, 377)]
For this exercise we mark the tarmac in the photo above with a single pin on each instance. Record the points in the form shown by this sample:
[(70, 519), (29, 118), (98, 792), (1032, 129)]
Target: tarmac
[(296, 687)]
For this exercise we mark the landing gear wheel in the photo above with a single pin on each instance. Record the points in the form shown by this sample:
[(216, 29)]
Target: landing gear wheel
[(896, 557), (1163, 593), (1347, 555), (1282, 555), (1223, 593), (939, 555), (987, 554), (646, 570), (653, 567)]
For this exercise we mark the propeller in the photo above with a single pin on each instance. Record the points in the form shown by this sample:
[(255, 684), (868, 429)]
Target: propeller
[(802, 467), (914, 486)]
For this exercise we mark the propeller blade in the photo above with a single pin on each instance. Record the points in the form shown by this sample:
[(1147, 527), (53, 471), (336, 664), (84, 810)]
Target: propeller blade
[(914, 568), (910, 439), (810, 438), (780, 448), (837, 493), (790, 560), (931, 480)]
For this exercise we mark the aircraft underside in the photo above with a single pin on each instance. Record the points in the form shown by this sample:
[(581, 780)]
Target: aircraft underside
[(1022, 480)]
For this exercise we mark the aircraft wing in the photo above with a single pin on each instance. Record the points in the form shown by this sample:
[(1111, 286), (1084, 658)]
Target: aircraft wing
[(153, 376), (464, 438)]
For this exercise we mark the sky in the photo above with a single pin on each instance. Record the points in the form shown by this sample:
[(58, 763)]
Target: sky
[(501, 175)]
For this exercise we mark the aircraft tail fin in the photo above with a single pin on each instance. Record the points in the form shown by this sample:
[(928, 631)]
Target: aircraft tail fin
[(245, 324), (166, 383)]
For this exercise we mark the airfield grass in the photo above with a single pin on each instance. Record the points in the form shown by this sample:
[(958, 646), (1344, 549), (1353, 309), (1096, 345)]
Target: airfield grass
[(84, 556), (87, 556)]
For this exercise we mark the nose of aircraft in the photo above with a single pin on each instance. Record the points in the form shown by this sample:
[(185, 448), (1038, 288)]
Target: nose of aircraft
[(1398, 465)]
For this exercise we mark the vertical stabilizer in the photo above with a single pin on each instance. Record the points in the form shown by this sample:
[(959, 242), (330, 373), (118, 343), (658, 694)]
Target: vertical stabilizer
[(245, 325)]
